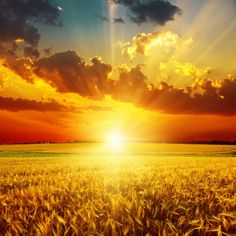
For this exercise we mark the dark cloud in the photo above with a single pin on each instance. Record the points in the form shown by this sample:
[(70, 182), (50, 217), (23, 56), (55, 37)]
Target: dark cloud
[(31, 52), (17, 18), (107, 19), (20, 104), (155, 11), (131, 86), (103, 18), (203, 98), (68, 73), (118, 20)]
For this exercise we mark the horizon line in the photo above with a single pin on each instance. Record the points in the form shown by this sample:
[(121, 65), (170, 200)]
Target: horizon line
[(212, 142)]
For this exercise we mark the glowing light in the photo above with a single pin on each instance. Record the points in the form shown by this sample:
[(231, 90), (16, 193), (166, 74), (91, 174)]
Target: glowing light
[(60, 8), (19, 40), (115, 139), (112, 10)]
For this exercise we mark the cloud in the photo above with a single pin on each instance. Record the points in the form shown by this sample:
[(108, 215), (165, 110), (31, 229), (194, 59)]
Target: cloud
[(48, 51), (21, 66), (204, 97), (31, 52), (2, 82), (182, 72), (4, 75), (18, 32), (187, 69), (107, 19), (143, 43), (118, 20), (16, 18), (131, 86), (103, 18), (22, 104), (155, 11), (68, 73)]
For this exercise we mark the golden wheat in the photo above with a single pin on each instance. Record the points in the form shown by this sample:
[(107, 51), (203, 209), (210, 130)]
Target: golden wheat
[(128, 195)]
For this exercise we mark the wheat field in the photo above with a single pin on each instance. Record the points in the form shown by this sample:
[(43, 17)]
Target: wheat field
[(53, 191)]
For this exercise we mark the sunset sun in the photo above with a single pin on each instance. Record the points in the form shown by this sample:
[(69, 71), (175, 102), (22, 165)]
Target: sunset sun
[(115, 139)]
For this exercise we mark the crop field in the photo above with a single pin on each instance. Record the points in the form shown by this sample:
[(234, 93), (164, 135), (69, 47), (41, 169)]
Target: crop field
[(90, 189)]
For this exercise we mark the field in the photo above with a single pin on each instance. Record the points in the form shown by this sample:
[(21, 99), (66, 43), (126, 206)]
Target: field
[(139, 189)]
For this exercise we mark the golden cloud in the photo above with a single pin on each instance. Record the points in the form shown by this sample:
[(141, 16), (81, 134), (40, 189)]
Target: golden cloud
[(143, 43), (68, 73)]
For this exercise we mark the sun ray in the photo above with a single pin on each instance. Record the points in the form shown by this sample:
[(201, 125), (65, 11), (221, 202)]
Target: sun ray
[(112, 10)]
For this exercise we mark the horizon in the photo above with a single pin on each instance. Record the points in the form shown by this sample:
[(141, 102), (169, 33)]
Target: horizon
[(209, 142)]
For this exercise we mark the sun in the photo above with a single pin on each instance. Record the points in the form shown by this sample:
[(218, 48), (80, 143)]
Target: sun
[(115, 139)]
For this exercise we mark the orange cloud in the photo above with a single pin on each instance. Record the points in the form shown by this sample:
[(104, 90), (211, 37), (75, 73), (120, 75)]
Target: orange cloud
[(68, 73), (21, 66), (131, 86), (3, 78), (203, 98), (21, 104)]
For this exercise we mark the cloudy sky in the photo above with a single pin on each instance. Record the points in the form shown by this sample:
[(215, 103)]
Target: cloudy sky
[(151, 70)]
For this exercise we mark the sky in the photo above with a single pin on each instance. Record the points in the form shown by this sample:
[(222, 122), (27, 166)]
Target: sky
[(148, 70)]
